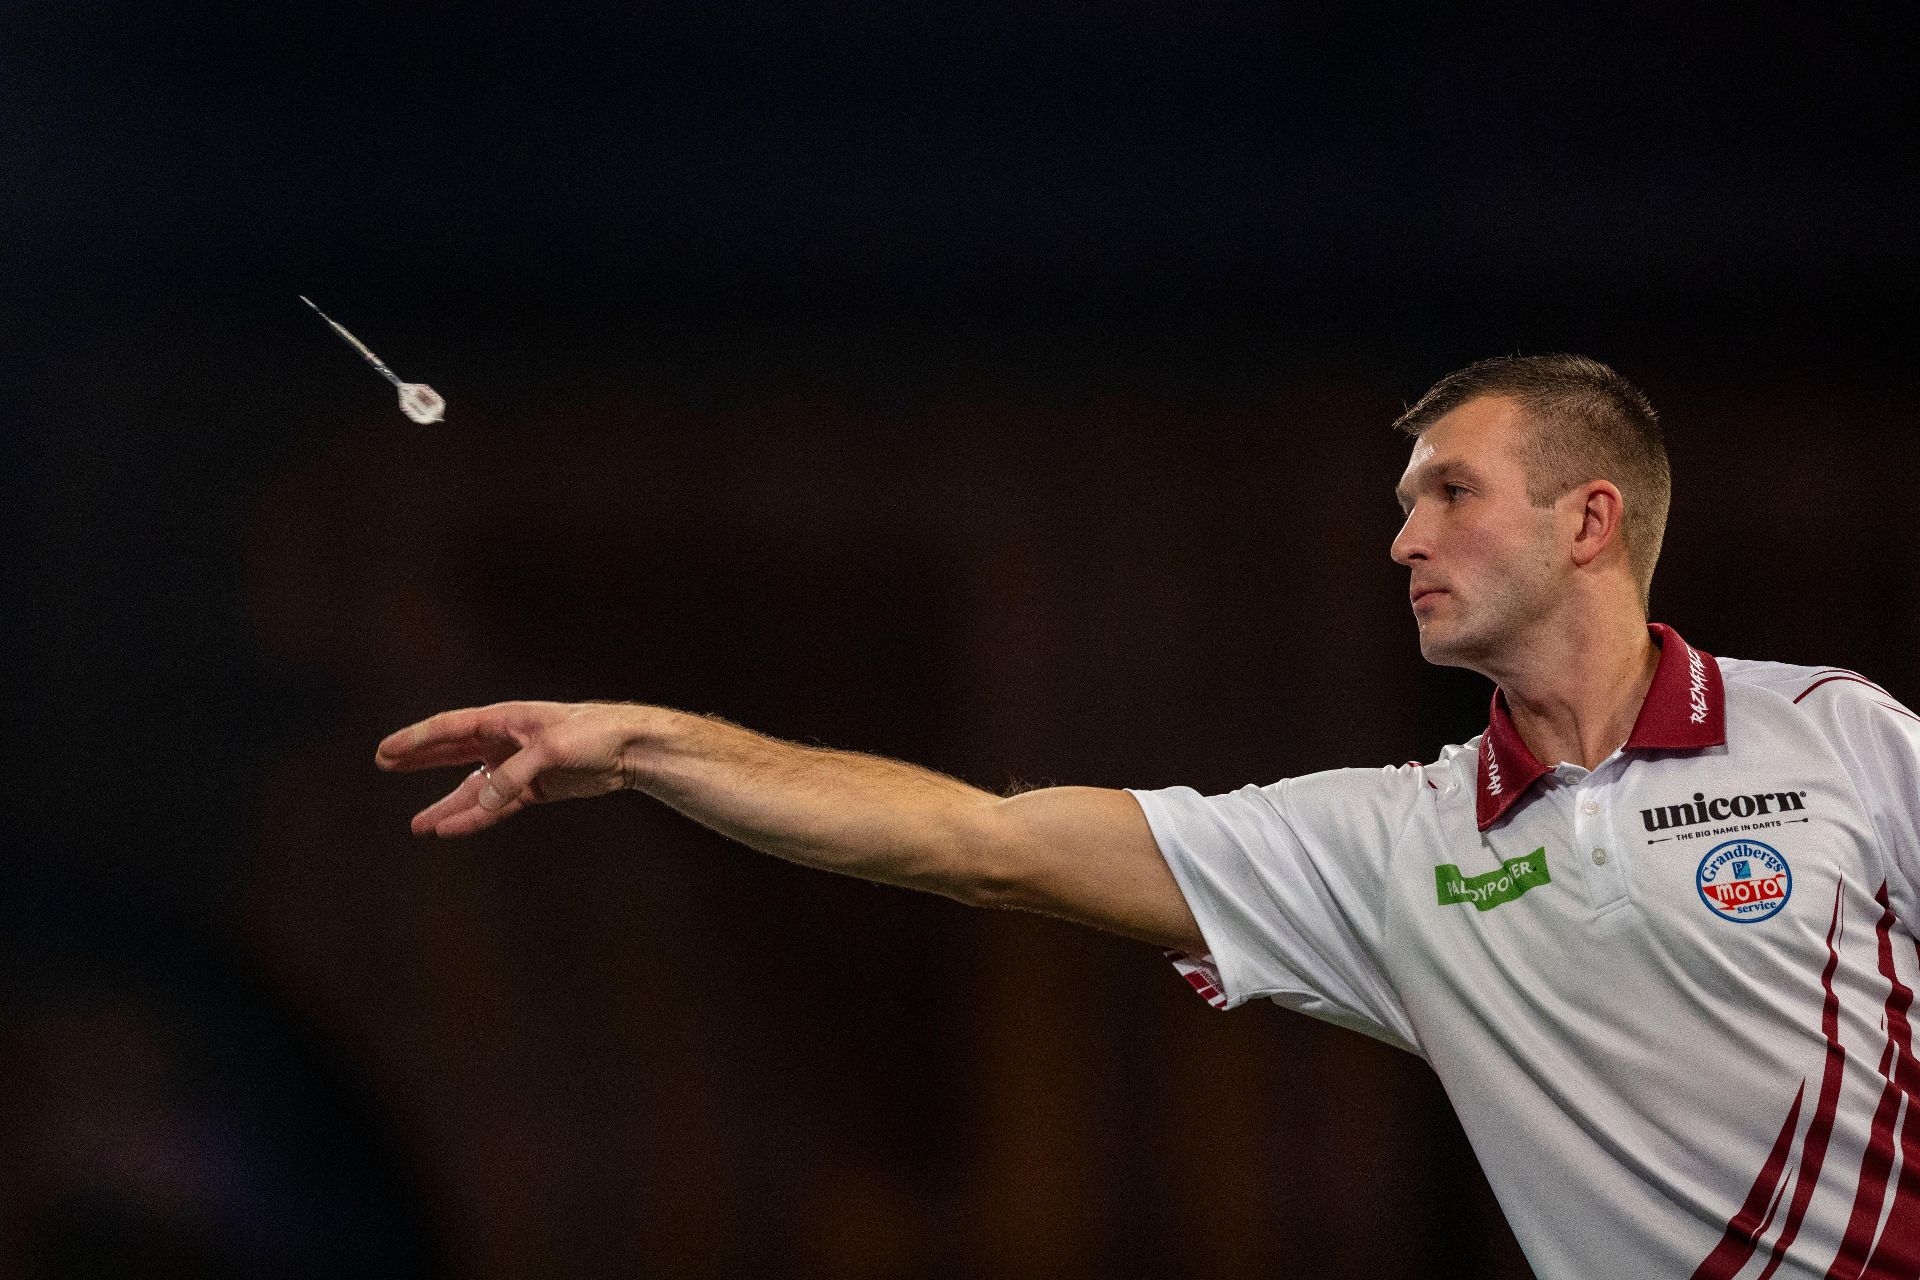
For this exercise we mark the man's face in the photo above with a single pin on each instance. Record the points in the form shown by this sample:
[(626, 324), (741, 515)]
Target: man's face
[(1483, 560)]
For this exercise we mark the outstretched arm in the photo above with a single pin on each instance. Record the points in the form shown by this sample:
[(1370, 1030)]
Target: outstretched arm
[(1082, 853)]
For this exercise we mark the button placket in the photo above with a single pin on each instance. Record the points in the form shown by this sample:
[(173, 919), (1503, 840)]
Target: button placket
[(1594, 837)]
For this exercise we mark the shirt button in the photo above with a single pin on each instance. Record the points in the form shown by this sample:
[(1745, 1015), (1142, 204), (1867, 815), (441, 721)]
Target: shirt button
[(1599, 857), (1591, 806)]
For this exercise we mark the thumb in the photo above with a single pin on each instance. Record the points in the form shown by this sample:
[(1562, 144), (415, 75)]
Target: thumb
[(511, 786)]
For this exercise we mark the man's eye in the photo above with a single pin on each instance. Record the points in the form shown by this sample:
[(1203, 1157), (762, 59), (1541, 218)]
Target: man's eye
[(1454, 490)]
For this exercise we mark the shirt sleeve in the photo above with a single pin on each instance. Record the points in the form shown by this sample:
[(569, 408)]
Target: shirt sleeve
[(1287, 883), (1881, 740)]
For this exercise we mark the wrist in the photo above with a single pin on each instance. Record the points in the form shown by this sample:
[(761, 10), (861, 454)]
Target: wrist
[(644, 736)]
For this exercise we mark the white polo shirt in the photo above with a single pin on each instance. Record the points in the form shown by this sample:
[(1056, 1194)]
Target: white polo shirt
[(1669, 997)]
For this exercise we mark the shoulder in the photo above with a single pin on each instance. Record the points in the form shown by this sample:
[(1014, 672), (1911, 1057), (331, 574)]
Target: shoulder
[(1453, 769), (1810, 688), (1408, 783), (1383, 800), (1368, 805), (1835, 701)]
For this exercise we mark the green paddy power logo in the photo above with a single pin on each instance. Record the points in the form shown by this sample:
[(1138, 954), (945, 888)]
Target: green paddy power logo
[(1514, 877)]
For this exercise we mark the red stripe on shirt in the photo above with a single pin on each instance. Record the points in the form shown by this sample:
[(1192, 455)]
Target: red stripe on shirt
[(1849, 678), (1842, 671), (1897, 1256), (1871, 1192), (1813, 1152), (1898, 1252), (1743, 1230), (1208, 992), (1196, 974)]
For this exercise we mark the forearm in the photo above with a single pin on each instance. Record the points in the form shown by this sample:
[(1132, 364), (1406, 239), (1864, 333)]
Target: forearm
[(836, 810)]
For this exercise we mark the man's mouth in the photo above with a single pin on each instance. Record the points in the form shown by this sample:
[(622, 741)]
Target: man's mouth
[(1421, 593)]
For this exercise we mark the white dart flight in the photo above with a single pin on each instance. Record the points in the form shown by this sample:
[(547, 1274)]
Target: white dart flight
[(417, 400)]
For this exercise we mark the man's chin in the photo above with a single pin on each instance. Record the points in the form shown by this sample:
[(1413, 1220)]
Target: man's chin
[(1445, 648)]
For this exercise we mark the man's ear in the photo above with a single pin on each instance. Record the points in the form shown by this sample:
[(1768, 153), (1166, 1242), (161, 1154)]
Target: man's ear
[(1600, 512)]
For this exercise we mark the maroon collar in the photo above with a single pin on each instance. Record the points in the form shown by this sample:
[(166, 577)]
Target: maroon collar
[(1685, 708)]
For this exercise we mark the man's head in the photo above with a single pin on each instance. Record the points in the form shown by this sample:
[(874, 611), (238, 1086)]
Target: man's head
[(1537, 484)]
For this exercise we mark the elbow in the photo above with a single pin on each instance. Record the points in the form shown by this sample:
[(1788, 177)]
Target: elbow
[(994, 889), (988, 869)]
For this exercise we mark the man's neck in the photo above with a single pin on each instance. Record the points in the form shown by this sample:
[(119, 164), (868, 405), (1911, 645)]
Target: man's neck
[(1577, 697)]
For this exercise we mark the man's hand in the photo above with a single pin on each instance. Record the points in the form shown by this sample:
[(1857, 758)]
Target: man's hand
[(528, 753)]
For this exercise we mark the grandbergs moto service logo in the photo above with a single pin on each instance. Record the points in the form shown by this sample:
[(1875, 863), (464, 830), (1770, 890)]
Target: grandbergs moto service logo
[(1721, 809), (1744, 881)]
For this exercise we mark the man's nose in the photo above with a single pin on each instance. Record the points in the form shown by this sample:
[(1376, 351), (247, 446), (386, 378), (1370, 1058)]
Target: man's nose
[(1410, 543)]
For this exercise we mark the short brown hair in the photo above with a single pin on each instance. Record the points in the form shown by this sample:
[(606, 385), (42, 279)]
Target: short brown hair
[(1588, 423)]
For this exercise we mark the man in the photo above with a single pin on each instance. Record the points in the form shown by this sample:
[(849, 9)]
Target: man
[(1665, 979)]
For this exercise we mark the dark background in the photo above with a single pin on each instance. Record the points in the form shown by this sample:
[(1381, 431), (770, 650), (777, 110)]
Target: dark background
[(1004, 388)]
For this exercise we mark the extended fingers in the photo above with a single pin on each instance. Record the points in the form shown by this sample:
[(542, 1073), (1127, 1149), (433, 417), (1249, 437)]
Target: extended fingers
[(462, 811), (438, 754), (463, 797), (466, 819), (508, 738), (463, 736), (429, 743), (485, 798)]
